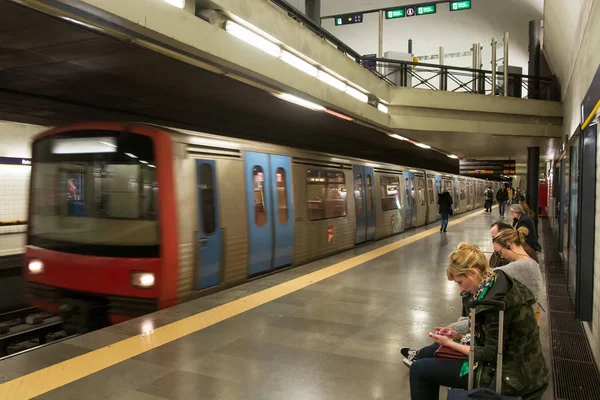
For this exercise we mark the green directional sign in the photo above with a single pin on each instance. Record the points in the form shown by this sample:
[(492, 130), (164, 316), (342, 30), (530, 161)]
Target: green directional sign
[(460, 5), (425, 10), (393, 14)]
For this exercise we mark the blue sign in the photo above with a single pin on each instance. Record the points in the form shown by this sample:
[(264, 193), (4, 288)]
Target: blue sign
[(15, 161)]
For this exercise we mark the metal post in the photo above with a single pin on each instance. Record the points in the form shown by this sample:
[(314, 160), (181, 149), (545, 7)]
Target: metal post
[(313, 10), (481, 78), (443, 77), (494, 45), (410, 46), (475, 57), (533, 176), (505, 61), (380, 40)]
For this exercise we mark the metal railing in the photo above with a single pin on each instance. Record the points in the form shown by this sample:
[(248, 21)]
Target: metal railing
[(461, 79), (434, 76)]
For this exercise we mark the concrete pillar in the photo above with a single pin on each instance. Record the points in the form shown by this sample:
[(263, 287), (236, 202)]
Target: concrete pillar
[(190, 6), (533, 176), (313, 10), (535, 52)]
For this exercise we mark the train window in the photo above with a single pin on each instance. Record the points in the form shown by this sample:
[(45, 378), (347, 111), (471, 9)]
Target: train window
[(260, 209), (207, 193), (462, 190), (282, 196), (358, 193), (390, 189), (430, 191), (326, 194), (369, 193)]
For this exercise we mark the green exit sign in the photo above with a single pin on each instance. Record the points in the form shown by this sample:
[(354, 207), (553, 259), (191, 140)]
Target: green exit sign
[(460, 5), (425, 10), (392, 14)]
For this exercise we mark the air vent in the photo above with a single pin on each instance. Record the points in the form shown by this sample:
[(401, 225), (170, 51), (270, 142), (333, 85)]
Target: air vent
[(196, 150)]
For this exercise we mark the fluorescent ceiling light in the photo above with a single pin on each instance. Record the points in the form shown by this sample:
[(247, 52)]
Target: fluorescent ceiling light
[(176, 3), (330, 80), (300, 102), (84, 145), (144, 162), (422, 145), (382, 107), (299, 63), (131, 155), (358, 95), (342, 116), (152, 166), (398, 137), (252, 38), (452, 156)]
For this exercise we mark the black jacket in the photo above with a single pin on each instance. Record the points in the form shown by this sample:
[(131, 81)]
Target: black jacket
[(531, 237), (502, 195), (445, 203)]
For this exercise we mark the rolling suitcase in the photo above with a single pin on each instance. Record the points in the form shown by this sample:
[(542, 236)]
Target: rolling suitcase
[(483, 393)]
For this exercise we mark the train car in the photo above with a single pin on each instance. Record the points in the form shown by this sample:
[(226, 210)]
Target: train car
[(129, 218)]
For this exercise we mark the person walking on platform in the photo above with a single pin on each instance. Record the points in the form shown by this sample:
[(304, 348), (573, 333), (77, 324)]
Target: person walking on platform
[(445, 208), (502, 198), (518, 197), (489, 197), (525, 372), (511, 193), (524, 220)]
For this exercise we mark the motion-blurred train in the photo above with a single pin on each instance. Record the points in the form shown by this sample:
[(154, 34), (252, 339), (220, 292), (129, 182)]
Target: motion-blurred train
[(129, 218)]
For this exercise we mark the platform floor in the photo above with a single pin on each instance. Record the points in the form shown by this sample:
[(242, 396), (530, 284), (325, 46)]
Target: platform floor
[(327, 330), (12, 243)]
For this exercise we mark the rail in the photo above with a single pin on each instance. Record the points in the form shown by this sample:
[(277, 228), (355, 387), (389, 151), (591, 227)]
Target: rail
[(455, 79), (461, 79)]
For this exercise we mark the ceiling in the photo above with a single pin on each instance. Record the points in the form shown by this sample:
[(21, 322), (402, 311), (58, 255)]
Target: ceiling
[(60, 73)]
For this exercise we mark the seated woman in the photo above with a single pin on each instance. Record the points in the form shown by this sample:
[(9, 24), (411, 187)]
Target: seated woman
[(509, 243), (524, 374)]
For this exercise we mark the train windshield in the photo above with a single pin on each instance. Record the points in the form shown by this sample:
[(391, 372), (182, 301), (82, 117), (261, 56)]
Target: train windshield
[(95, 193)]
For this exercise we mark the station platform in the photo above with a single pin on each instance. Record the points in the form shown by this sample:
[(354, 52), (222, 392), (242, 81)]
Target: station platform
[(331, 329)]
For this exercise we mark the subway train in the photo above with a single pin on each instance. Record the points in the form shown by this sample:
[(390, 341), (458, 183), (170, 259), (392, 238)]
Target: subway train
[(129, 218)]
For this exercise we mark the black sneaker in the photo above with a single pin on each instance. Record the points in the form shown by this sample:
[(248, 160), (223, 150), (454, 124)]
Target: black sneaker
[(410, 355)]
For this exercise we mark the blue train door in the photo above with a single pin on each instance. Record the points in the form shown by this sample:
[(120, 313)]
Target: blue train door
[(364, 196), (270, 211), (208, 235), (410, 200)]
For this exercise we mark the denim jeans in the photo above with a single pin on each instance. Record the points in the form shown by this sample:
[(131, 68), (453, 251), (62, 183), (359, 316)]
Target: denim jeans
[(488, 205), (501, 207), (427, 374), (444, 222)]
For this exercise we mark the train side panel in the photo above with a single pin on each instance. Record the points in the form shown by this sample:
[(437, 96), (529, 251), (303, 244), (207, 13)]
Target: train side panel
[(391, 220)]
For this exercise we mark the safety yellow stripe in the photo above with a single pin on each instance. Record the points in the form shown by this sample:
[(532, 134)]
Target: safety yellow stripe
[(55, 376), (19, 249)]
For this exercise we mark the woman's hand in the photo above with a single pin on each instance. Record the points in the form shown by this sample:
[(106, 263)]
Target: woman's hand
[(441, 340), (451, 333)]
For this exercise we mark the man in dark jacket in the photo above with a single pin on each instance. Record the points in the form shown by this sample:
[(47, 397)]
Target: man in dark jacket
[(525, 220), (502, 197), (445, 208), (489, 197)]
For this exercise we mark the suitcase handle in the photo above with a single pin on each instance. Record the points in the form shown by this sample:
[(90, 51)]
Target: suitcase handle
[(499, 305)]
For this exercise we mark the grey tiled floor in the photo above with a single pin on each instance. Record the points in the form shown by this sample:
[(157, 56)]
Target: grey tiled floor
[(336, 339)]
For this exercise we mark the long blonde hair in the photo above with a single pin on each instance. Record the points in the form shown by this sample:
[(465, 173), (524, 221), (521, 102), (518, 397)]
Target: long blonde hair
[(511, 236), (465, 258)]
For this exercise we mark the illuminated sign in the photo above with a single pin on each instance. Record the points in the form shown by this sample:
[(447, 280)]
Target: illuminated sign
[(425, 10), (393, 14), (15, 161), (348, 19), (488, 167), (460, 5)]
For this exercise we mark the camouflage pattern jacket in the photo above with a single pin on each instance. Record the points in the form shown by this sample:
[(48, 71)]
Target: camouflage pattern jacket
[(524, 370)]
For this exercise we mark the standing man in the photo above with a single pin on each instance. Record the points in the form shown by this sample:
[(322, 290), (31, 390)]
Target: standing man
[(489, 197), (445, 204), (502, 197)]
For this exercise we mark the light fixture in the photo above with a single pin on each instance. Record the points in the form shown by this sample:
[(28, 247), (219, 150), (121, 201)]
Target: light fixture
[(342, 116), (300, 102), (142, 280), (395, 136), (452, 156), (252, 38), (330, 80), (152, 166), (299, 63), (36, 267), (176, 3), (382, 107), (144, 162), (422, 145), (131, 155), (358, 95)]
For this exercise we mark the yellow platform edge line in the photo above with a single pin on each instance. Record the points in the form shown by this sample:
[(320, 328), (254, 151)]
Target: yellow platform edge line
[(63, 373)]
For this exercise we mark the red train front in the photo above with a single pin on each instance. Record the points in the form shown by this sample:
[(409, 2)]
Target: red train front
[(102, 239)]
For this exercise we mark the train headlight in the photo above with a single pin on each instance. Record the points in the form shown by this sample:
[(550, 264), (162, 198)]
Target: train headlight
[(142, 280), (36, 267)]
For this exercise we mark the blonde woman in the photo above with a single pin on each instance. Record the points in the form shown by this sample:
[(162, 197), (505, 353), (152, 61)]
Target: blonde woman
[(525, 373)]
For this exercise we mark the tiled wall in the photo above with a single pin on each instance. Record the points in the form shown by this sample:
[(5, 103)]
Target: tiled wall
[(14, 181)]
